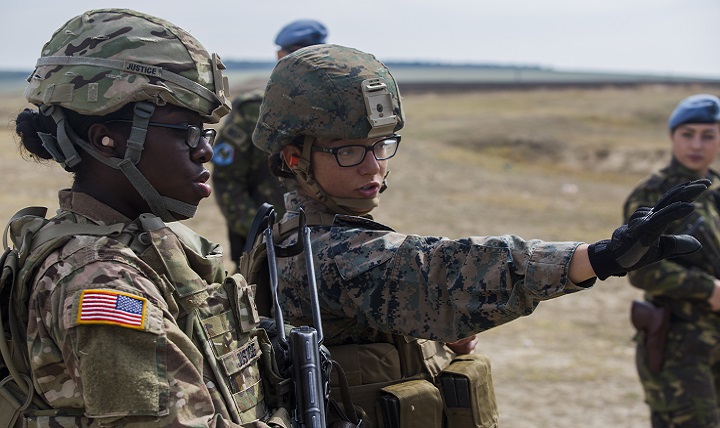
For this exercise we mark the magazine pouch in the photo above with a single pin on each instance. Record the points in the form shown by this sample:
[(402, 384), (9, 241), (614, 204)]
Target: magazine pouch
[(415, 403), (468, 394)]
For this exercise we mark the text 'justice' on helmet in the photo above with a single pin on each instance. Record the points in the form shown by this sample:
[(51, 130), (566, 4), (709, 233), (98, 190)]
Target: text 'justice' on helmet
[(106, 58), (328, 92)]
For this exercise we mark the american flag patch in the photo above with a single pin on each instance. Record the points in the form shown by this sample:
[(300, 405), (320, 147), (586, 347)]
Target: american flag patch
[(112, 307)]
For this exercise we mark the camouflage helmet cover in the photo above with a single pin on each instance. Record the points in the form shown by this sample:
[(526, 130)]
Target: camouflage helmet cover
[(320, 91), (106, 58)]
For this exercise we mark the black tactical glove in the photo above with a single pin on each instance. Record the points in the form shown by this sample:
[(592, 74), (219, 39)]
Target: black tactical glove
[(641, 241)]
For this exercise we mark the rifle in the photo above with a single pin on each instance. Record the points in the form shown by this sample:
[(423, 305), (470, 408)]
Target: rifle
[(302, 351)]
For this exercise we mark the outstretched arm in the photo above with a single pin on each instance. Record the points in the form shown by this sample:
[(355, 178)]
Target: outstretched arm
[(580, 269)]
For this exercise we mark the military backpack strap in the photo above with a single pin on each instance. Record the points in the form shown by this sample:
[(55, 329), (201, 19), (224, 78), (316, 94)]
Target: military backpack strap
[(28, 211), (16, 388), (56, 231), (39, 238), (72, 229)]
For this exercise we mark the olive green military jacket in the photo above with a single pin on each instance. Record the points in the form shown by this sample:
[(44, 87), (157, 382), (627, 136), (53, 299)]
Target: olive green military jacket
[(374, 281), (241, 177), (682, 283)]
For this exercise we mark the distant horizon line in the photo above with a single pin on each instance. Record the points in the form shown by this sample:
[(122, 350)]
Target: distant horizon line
[(493, 65), (235, 64)]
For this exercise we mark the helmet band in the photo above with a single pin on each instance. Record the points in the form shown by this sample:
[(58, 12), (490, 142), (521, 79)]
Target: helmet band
[(138, 68)]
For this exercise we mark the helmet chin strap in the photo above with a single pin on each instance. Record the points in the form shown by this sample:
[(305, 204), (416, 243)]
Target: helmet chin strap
[(63, 151), (347, 206)]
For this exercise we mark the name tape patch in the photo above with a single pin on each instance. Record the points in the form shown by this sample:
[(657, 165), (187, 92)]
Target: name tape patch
[(241, 358), (112, 307), (136, 67)]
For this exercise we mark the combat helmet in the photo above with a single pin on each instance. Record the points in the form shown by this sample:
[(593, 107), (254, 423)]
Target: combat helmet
[(104, 59), (327, 92)]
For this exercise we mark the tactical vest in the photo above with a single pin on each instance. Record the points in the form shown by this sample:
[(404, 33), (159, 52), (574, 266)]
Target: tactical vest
[(232, 345), (408, 383)]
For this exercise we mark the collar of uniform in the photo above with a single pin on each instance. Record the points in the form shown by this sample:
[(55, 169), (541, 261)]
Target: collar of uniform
[(294, 201), (87, 206), (676, 168)]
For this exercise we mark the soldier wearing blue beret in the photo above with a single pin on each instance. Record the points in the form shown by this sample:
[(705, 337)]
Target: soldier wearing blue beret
[(298, 34), (678, 359)]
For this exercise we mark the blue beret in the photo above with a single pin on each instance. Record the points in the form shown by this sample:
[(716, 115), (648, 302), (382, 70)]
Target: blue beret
[(305, 32), (700, 108)]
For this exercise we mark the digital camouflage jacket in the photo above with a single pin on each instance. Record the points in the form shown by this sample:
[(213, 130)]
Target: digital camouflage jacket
[(682, 283), (374, 281)]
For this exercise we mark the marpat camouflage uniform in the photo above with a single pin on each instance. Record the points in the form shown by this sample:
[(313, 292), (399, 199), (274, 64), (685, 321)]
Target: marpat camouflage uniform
[(241, 178), (685, 392), (147, 374), (374, 281)]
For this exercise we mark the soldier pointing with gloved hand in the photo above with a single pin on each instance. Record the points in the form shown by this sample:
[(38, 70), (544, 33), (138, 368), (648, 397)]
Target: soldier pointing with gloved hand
[(329, 122)]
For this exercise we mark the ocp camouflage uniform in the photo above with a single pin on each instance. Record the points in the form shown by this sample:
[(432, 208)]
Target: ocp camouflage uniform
[(685, 392), (146, 374), (241, 178)]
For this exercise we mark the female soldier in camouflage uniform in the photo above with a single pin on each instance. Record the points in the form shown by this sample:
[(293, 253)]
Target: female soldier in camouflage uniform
[(131, 321), (329, 121), (684, 391)]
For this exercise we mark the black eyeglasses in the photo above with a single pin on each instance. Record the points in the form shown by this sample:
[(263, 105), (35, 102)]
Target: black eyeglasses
[(194, 133), (354, 154)]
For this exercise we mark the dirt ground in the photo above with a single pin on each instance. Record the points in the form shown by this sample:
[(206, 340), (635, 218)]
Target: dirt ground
[(555, 165)]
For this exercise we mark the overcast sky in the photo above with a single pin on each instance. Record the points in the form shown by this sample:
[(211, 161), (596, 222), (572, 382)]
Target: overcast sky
[(668, 37)]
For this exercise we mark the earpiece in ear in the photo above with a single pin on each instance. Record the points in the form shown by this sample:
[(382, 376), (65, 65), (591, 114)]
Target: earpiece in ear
[(108, 142), (293, 160)]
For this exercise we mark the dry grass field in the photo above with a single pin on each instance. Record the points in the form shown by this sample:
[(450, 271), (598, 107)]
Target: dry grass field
[(555, 165)]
